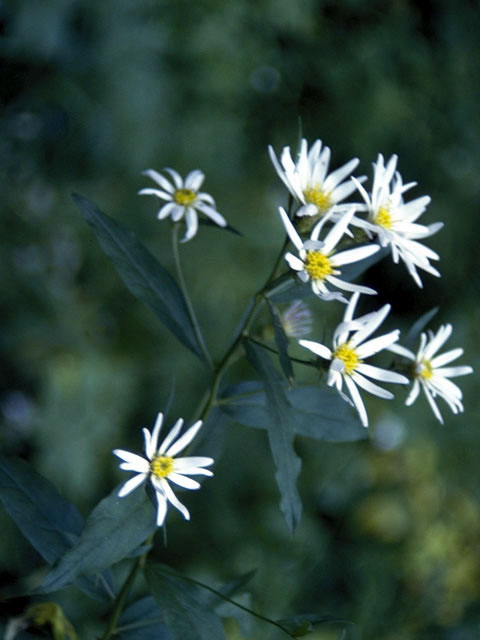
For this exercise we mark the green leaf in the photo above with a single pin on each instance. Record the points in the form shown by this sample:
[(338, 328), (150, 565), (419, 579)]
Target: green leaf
[(418, 327), (49, 522), (143, 620), (183, 607), (320, 412), (142, 273), (112, 531), (280, 425), (281, 341)]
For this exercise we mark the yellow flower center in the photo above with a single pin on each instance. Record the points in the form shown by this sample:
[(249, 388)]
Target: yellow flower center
[(184, 197), (348, 356), (425, 369), (161, 466), (384, 218), (318, 197), (318, 265)]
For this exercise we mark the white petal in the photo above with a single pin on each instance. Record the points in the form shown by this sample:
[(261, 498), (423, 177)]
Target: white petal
[(446, 357), (191, 219), (185, 440), (371, 387), (194, 180), (295, 263), (290, 229), (317, 348), (354, 255), (176, 177), (161, 508), (402, 351), (131, 485), (211, 213), (166, 210), (433, 404), (350, 286), (163, 195), (159, 179), (172, 498), (172, 434), (132, 458), (357, 400), (377, 344), (155, 434), (413, 395), (382, 374), (183, 464), (182, 481), (452, 372)]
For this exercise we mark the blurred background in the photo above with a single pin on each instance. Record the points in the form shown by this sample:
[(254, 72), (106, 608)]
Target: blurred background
[(93, 93)]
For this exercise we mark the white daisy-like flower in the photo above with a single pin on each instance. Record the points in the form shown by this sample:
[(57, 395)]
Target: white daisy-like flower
[(350, 349), (161, 466), (318, 262), (297, 319), (308, 179), (183, 199), (430, 374), (394, 221)]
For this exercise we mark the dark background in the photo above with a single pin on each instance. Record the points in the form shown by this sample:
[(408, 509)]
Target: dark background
[(95, 92)]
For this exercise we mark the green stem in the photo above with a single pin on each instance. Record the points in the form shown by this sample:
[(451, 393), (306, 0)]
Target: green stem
[(227, 599), (120, 601), (308, 363), (255, 302), (122, 596), (183, 286)]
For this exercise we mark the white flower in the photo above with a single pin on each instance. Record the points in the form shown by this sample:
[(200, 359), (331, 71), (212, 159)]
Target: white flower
[(318, 262), (349, 352), (183, 199), (429, 373), (297, 319), (307, 178), (394, 221), (161, 466)]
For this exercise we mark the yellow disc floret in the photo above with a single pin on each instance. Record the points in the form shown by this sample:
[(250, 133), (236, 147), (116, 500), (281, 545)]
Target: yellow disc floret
[(318, 265), (184, 197), (317, 196), (425, 369), (161, 466), (383, 218), (348, 356)]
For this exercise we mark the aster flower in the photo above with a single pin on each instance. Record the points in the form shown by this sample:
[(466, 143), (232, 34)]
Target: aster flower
[(393, 221), (429, 374), (183, 199), (350, 348), (308, 180), (297, 319), (318, 262), (161, 466)]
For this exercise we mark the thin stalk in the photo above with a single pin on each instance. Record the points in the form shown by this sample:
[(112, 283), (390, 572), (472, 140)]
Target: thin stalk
[(227, 599), (183, 286), (267, 347), (255, 303), (120, 601), (122, 596)]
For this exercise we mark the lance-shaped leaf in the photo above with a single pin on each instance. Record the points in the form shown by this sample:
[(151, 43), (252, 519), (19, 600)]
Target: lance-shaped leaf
[(280, 427), (142, 273), (281, 341), (321, 413), (183, 607), (143, 620), (112, 531), (417, 328), (49, 522)]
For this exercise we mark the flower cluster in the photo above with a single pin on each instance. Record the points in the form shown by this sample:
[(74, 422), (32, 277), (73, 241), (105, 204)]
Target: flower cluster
[(391, 223), (324, 229)]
